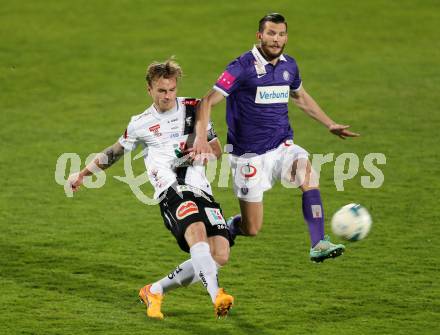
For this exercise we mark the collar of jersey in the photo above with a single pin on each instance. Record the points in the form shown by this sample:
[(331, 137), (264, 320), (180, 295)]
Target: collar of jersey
[(259, 57), (159, 115)]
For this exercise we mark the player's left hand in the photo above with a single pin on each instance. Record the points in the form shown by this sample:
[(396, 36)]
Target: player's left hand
[(341, 131), (201, 159), (201, 151), (75, 180), (201, 146)]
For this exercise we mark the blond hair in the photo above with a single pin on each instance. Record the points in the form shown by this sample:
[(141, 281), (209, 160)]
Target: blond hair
[(167, 69)]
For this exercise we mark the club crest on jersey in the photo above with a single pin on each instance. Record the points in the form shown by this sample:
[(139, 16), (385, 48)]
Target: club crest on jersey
[(185, 209), (286, 75), (248, 171), (178, 149)]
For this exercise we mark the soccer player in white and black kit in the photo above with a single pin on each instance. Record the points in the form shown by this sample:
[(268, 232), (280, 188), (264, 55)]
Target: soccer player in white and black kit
[(257, 86), (188, 208)]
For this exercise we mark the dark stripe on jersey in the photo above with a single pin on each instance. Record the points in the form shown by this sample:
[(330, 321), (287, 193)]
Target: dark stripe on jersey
[(190, 120)]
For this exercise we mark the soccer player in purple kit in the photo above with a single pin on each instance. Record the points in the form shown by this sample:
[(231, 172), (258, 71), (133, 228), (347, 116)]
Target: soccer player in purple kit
[(257, 86)]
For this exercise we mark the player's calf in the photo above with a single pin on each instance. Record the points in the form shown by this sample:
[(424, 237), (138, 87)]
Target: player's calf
[(219, 246), (251, 217)]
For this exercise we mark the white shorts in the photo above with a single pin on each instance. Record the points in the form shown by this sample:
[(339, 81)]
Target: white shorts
[(254, 174)]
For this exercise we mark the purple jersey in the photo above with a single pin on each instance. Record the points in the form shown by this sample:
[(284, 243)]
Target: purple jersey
[(256, 106)]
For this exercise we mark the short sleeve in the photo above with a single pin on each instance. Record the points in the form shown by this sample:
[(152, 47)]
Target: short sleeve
[(129, 140), (229, 80), (296, 83)]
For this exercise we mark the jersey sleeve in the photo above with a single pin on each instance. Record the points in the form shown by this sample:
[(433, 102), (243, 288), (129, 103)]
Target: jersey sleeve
[(296, 83), (129, 140), (211, 132), (229, 80)]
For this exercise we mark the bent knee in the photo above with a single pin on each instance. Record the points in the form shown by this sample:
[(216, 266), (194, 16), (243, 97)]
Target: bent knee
[(221, 258)]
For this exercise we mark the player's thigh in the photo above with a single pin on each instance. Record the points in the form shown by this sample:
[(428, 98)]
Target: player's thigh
[(195, 232), (251, 217), (184, 217), (216, 228), (219, 246), (295, 167), (304, 175)]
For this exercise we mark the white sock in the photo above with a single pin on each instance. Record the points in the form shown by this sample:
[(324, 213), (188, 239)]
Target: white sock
[(205, 267), (182, 275)]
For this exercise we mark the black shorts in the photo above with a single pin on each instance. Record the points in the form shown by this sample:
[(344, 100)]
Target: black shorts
[(184, 205)]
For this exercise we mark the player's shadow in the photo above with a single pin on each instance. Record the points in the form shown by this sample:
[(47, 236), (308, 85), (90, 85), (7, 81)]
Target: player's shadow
[(246, 326), (231, 325)]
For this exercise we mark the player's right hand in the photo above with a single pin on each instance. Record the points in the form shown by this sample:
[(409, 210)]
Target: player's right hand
[(75, 180), (342, 131)]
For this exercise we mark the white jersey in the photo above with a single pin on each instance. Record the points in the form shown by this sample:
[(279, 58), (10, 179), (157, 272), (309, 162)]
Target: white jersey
[(164, 135)]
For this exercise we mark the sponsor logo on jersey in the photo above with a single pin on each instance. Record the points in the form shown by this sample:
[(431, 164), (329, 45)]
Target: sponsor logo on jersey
[(191, 102), (198, 192), (155, 130), (185, 209), (272, 94), (214, 215), (248, 171), (226, 80), (316, 211)]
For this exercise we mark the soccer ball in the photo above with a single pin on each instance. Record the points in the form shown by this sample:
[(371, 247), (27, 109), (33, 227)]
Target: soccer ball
[(352, 222)]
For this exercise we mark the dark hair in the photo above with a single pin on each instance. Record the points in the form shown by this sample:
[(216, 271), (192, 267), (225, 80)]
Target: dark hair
[(167, 69), (271, 17)]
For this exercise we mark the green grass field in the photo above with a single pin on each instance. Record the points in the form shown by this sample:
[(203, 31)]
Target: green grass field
[(72, 74)]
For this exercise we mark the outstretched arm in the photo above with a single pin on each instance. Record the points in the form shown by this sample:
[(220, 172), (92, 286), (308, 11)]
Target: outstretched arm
[(309, 106), (102, 161), (201, 145)]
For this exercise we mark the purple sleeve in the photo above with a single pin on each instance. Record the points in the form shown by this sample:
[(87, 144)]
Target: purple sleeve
[(229, 79), (296, 83)]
